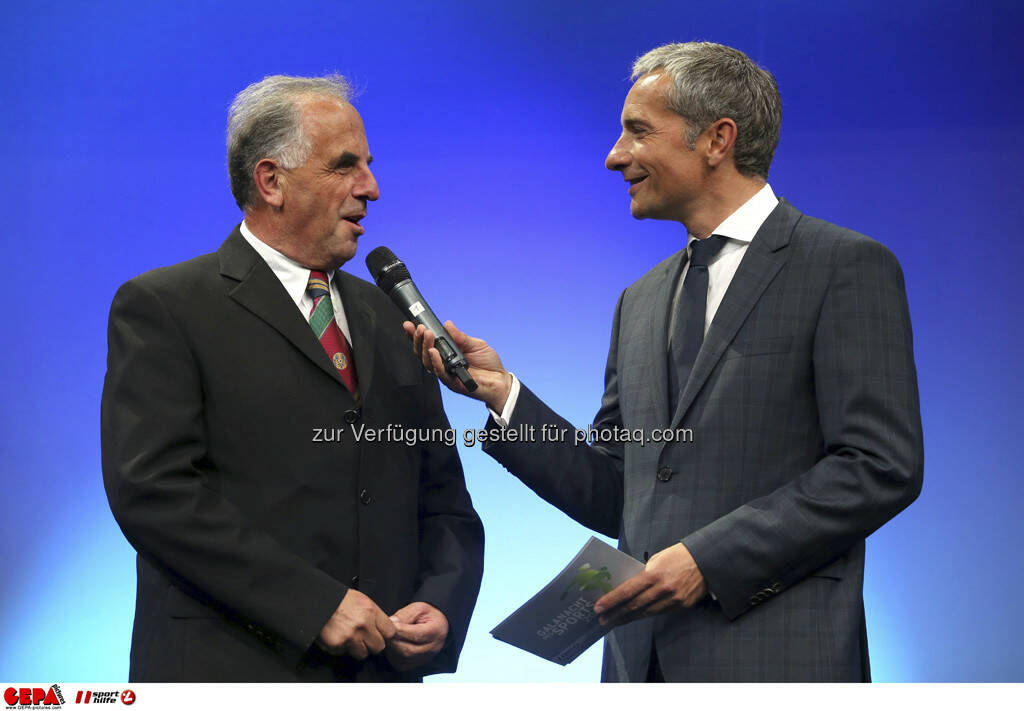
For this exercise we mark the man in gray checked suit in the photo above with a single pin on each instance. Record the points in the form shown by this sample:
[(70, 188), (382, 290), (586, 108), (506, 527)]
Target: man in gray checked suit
[(783, 344)]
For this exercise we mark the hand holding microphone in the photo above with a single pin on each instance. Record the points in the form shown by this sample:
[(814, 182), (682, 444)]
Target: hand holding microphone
[(393, 278), (493, 381), (466, 365)]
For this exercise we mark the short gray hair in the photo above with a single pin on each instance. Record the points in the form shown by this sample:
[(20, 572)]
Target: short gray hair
[(711, 81), (265, 121)]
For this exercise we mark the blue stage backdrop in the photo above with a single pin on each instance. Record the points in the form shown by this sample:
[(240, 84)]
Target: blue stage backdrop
[(489, 123)]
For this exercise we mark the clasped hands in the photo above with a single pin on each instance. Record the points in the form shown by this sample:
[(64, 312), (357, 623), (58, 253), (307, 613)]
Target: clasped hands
[(409, 638)]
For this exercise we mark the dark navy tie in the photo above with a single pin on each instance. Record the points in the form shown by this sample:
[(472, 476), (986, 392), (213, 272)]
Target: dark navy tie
[(688, 333)]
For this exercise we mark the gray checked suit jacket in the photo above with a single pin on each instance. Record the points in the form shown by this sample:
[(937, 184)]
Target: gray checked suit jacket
[(806, 437)]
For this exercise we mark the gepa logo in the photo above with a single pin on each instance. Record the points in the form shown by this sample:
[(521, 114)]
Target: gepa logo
[(33, 697)]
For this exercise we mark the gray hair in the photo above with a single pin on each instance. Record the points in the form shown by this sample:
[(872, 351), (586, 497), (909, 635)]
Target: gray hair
[(711, 81), (265, 121)]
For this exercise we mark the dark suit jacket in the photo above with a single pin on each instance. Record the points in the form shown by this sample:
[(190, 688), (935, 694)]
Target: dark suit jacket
[(248, 531), (806, 437)]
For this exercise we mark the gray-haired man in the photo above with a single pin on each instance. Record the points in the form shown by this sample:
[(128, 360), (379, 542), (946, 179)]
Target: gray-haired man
[(268, 550), (783, 344)]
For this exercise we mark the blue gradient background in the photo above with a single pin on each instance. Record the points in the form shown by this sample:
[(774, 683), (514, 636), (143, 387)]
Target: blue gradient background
[(489, 125)]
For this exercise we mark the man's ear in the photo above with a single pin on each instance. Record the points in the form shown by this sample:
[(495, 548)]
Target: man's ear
[(269, 182), (722, 138)]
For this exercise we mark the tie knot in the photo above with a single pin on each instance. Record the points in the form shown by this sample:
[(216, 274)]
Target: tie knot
[(702, 251), (318, 285)]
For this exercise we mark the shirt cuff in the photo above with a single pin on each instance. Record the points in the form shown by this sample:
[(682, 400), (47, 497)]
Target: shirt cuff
[(503, 419)]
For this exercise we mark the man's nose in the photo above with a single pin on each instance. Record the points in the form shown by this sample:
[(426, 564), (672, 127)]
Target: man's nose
[(618, 158), (367, 188)]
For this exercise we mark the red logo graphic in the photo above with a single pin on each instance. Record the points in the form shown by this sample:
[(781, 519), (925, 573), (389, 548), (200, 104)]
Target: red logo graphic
[(127, 697), (35, 696)]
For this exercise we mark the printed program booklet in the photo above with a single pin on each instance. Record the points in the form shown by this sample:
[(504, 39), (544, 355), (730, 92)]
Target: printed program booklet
[(559, 623)]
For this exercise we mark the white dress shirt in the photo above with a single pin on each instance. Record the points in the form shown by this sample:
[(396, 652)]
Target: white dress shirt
[(295, 278), (740, 228)]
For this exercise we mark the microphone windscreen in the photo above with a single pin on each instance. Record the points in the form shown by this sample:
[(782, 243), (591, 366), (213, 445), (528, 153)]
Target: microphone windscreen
[(378, 259), (385, 268)]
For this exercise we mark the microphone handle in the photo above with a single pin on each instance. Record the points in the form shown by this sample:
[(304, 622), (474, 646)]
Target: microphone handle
[(408, 298)]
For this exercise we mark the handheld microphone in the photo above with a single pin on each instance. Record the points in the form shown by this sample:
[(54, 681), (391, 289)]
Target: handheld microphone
[(393, 278)]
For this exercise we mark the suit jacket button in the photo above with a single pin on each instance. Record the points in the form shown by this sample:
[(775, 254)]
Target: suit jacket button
[(664, 474), (754, 600), (351, 416), (365, 497), (354, 582), (777, 588)]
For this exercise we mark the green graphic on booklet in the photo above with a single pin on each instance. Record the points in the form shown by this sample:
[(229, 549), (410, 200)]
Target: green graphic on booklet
[(590, 579)]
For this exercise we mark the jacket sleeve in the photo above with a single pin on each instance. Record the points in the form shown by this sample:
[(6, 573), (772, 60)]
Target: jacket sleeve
[(866, 390), (584, 481), (156, 475)]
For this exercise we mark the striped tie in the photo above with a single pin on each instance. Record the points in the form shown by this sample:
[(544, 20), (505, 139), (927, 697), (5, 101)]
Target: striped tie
[(321, 320)]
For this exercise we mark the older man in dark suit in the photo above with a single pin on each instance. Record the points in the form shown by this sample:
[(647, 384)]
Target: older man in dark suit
[(777, 348), (273, 544)]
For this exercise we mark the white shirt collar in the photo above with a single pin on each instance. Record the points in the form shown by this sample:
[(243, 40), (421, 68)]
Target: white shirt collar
[(744, 223), (294, 277)]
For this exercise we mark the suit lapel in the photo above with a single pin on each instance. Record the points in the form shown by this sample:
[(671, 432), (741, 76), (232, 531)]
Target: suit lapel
[(657, 325), (261, 293), (362, 324), (762, 261)]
